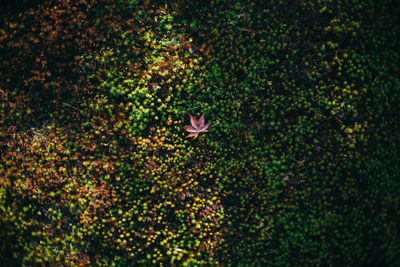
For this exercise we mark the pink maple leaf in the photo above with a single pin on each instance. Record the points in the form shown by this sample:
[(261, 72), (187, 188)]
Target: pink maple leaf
[(197, 127)]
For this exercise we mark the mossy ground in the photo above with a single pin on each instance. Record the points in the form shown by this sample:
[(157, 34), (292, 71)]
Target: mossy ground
[(300, 165)]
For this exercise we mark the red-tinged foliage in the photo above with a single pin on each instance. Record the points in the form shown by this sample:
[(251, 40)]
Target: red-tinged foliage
[(198, 126)]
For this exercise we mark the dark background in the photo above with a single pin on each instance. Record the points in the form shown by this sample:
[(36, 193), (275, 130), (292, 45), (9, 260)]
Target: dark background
[(12, 7)]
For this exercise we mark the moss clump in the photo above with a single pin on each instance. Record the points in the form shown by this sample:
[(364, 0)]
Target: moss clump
[(300, 165)]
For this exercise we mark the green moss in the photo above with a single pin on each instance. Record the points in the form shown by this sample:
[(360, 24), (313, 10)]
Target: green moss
[(299, 167)]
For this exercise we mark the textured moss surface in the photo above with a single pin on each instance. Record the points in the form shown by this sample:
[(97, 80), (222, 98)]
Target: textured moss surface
[(300, 166)]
